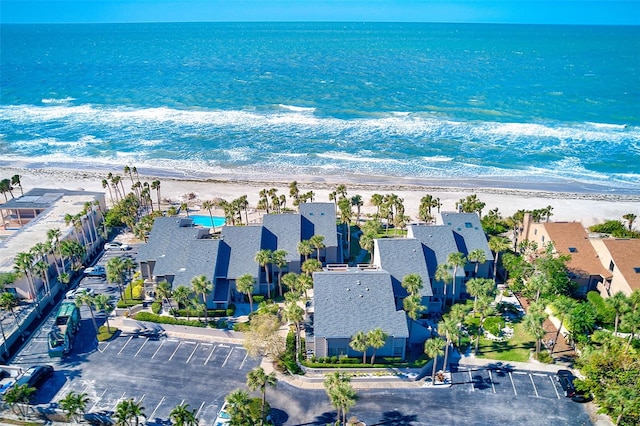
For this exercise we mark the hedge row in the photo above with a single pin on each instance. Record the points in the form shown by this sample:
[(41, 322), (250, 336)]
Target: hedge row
[(163, 319)]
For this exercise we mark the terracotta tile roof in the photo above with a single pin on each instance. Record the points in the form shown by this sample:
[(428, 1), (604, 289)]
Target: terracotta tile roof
[(626, 257), (571, 238)]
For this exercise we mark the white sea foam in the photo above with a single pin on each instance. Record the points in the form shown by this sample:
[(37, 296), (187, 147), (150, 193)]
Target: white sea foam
[(296, 108), (58, 101)]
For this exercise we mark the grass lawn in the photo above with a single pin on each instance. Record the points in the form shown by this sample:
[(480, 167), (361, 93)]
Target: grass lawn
[(517, 348)]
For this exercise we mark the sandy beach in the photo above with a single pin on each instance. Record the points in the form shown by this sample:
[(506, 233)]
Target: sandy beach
[(586, 207)]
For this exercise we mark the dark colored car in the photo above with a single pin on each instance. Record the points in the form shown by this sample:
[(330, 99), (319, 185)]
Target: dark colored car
[(35, 375), (566, 378)]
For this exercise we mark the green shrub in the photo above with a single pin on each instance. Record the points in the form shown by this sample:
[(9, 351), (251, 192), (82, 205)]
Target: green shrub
[(156, 307), (257, 299), (163, 319), (545, 357), (604, 314), (241, 326), (493, 325)]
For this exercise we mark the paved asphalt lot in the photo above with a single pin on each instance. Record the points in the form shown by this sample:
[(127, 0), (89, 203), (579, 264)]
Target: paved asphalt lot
[(163, 372)]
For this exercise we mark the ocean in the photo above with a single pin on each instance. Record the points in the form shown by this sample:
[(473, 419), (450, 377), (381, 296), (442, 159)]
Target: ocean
[(456, 104)]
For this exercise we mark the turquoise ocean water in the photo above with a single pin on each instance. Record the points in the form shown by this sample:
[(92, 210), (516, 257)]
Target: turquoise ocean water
[(524, 105)]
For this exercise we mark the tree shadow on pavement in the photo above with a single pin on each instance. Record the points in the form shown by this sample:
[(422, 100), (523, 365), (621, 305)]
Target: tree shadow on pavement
[(396, 418)]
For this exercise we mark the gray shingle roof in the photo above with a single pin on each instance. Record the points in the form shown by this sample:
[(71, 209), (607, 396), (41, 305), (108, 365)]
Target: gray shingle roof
[(322, 218), (200, 259), (401, 257), (468, 226), (438, 242), (350, 301), (243, 242), (284, 233)]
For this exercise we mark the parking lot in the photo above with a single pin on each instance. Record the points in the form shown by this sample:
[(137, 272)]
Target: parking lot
[(505, 382)]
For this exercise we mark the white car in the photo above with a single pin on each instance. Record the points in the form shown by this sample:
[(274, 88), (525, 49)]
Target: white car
[(116, 246), (72, 294)]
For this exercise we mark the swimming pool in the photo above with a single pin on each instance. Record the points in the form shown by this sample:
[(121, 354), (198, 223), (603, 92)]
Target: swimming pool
[(206, 221)]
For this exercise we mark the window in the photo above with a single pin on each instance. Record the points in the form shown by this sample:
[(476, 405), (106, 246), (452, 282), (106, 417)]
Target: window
[(611, 266), (637, 269), (543, 238), (535, 232), (573, 250), (468, 225)]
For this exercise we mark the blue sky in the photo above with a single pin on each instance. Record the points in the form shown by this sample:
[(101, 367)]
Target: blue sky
[(615, 12)]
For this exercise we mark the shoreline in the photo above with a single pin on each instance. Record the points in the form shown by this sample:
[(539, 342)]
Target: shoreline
[(588, 207)]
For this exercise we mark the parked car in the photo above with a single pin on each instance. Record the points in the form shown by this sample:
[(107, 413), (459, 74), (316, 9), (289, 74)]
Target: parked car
[(72, 294), (223, 416), (35, 375), (116, 246), (565, 378), (95, 271), (6, 381)]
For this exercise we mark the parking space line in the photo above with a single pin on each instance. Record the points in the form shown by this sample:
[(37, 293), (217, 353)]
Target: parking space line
[(98, 399), (125, 345), (199, 409), (211, 353), (142, 346), (192, 352), (513, 384), (156, 352), (104, 346), (119, 400), (534, 386), (227, 358), (471, 378), (553, 383), (491, 380), (153, 415), (174, 352), (141, 398), (243, 360)]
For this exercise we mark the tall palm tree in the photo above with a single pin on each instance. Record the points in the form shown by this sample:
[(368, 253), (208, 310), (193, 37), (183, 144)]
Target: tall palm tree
[(84, 298), (310, 266), (239, 407), (102, 303), (532, 323), (443, 275), (412, 283), (258, 379), (128, 410), (305, 248), (476, 256), (23, 266), (244, 284), (279, 259), (264, 257), (484, 308), (202, 286), (290, 279), (412, 305), (498, 245), (630, 218), (305, 283), (449, 329), (376, 339), (181, 415), (456, 260), (182, 295), (433, 348), (480, 287), (53, 235), (155, 185), (163, 291), (209, 205), (341, 393), (317, 242), (360, 343), (15, 180), (74, 404), (115, 274), (619, 303), (295, 314), (562, 307)]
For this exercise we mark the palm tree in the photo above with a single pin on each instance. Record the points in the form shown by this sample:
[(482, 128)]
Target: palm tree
[(480, 287), (562, 307), (209, 205), (376, 339), (244, 284), (310, 266), (533, 325), (477, 256), (442, 274), (497, 245), (357, 202), (18, 398), (630, 218), (74, 404), (456, 260), (15, 180), (8, 302), (341, 393), (181, 295), (317, 242), (264, 258), (305, 248), (619, 303), (295, 314), (239, 407), (84, 298), (290, 279), (305, 283), (360, 343), (412, 283), (156, 185), (181, 415), (102, 303), (258, 379), (448, 328), (201, 285), (128, 410), (484, 308), (163, 290), (433, 348), (279, 258), (412, 305), (115, 274)]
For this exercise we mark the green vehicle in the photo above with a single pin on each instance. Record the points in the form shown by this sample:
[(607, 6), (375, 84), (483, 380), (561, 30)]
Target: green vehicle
[(66, 326)]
